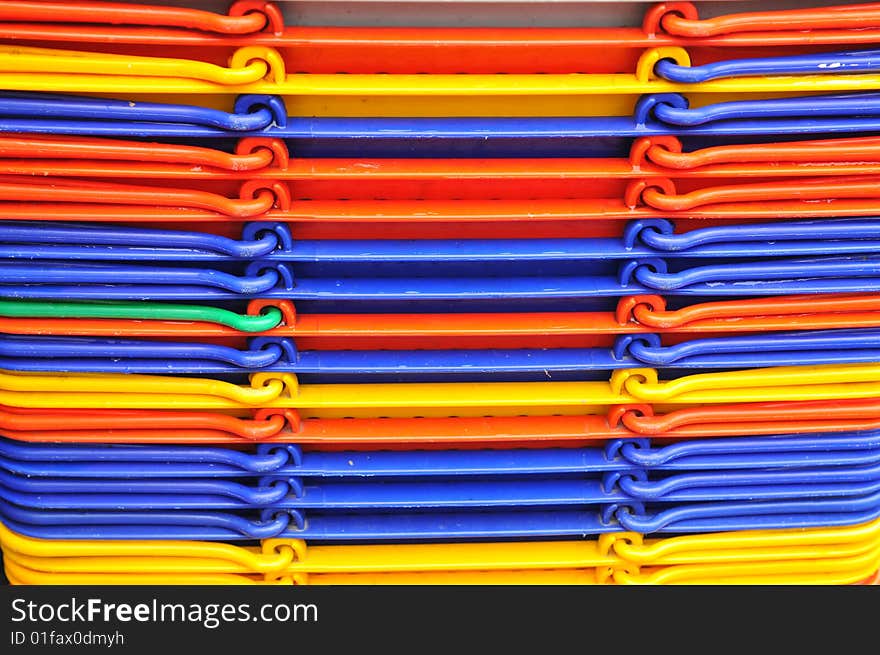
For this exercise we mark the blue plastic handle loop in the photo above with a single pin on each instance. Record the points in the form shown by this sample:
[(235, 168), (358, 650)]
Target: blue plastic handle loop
[(655, 114), (256, 280), (87, 354), (828, 63), (86, 240), (97, 461), (267, 279), (654, 273), (47, 240), (72, 491), (250, 113), (674, 110), (648, 350), (745, 485), (262, 461), (660, 235), (789, 513)]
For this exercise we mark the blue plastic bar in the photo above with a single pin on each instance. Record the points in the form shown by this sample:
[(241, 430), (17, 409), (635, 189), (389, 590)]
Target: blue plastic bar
[(251, 112), (296, 493), (40, 460), (318, 526), (273, 241), (267, 279), (824, 63), (280, 354), (654, 115)]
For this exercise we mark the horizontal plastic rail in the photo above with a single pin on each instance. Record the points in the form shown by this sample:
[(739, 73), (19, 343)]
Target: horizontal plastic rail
[(505, 50), (243, 17), (61, 280), (264, 115), (633, 315), (282, 390), (95, 355), (294, 558), (113, 495), (272, 426), (262, 69), (839, 571), (658, 156), (855, 452), (275, 241), (276, 558), (308, 524), (73, 199)]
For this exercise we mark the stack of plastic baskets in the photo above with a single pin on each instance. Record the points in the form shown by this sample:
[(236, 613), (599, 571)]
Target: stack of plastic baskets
[(427, 305)]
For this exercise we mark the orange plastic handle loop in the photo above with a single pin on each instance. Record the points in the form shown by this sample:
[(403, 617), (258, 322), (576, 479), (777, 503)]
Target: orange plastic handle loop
[(23, 420), (251, 154), (667, 152), (650, 310), (642, 420), (659, 193), (245, 16), (680, 19), (257, 197)]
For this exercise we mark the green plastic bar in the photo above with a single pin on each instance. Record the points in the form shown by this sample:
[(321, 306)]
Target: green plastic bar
[(142, 310)]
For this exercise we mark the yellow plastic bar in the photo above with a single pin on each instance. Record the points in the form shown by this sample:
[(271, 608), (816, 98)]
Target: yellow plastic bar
[(21, 575), (274, 556), (292, 557), (44, 390), (258, 69), (445, 105), (748, 545), (826, 571)]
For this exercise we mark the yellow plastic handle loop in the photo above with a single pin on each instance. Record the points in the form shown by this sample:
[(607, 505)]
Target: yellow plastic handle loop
[(780, 383), (649, 58), (100, 383), (247, 65)]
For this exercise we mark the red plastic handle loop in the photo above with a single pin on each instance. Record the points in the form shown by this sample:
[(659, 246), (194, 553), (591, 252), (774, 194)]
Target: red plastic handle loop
[(287, 308), (28, 420), (666, 151), (642, 420), (251, 154), (256, 196), (650, 311), (681, 19), (245, 16), (660, 193), (292, 420)]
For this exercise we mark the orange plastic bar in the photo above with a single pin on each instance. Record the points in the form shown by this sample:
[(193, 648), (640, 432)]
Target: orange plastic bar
[(786, 158), (171, 426), (681, 19), (244, 17), (412, 49), (53, 153), (256, 199), (754, 418), (266, 158), (575, 215), (661, 194), (634, 314)]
